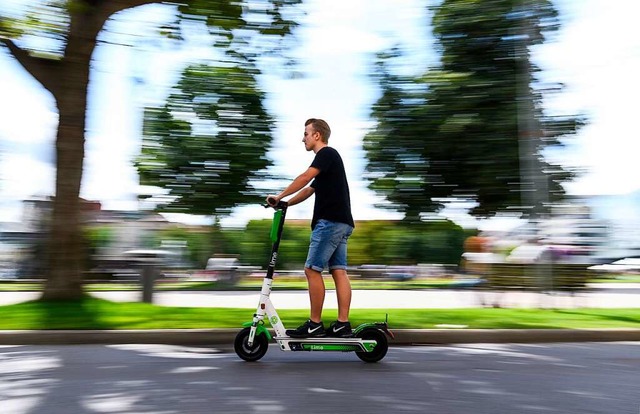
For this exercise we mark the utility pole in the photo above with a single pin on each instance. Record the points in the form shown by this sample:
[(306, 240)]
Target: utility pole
[(534, 191)]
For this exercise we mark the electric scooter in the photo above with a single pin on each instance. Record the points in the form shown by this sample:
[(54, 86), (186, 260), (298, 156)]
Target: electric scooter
[(369, 340)]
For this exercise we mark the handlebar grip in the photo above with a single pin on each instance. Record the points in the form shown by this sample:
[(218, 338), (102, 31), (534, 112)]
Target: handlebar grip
[(281, 204)]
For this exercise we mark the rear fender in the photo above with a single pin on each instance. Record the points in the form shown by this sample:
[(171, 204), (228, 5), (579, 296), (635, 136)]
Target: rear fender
[(382, 326)]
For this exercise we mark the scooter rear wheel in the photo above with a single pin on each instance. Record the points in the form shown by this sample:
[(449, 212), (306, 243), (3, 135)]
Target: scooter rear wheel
[(380, 349), (255, 351)]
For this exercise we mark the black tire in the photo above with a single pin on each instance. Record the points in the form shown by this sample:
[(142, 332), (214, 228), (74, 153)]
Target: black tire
[(250, 353), (380, 349)]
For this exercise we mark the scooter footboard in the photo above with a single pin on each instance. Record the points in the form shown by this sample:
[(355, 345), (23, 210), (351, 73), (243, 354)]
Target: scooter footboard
[(326, 344)]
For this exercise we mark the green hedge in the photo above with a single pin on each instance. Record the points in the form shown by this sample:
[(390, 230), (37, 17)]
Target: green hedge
[(547, 276), (372, 242)]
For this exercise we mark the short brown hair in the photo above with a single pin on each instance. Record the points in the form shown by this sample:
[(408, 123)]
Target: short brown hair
[(320, 126)]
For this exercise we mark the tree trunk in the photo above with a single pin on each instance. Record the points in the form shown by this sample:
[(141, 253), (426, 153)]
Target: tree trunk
[(65, 247)]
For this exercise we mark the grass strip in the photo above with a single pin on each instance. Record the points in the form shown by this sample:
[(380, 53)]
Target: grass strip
[(245, 284), (91, 313)]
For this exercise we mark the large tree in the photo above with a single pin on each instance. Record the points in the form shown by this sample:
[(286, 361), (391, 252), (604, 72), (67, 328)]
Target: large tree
[(209, 140), (72, 27), (473, 126)]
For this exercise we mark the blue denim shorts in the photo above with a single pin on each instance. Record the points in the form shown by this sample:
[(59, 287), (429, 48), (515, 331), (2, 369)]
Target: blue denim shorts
[(328, 246)]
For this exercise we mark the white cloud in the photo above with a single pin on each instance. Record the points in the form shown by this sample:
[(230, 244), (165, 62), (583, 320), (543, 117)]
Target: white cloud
[(23, 177), (597, 55), (28, 111)]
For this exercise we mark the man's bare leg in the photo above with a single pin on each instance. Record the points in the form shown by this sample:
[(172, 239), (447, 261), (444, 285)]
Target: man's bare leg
[(316, 293), (343, 292)]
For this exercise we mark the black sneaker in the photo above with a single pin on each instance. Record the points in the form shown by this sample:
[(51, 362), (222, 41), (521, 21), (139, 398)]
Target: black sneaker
[(309, 329), (340, 329)]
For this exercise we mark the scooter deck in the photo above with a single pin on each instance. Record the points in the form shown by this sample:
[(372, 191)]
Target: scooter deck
[(325, 344)]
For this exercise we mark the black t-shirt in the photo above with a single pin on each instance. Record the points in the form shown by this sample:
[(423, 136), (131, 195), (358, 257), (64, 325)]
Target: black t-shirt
[(331, 189)]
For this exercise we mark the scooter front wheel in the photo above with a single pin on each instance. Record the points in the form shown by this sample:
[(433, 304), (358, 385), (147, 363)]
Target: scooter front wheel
[(380, 349), (255, 351)]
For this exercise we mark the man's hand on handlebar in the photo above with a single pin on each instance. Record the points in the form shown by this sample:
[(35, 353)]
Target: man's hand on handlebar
[(275, 202), (272, 200)]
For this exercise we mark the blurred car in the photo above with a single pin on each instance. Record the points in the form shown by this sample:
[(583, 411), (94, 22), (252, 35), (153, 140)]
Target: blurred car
[(127, 265), (224, 269), (156, 255), (626, 265), (399, 273)]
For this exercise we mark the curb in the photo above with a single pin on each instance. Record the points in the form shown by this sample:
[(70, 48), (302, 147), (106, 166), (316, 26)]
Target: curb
[(110, 337), (226, 336), (453, 336)]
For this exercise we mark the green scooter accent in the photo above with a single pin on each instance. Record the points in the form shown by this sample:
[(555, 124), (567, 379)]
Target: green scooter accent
[(275, 225), (333, 347), (260, 329)]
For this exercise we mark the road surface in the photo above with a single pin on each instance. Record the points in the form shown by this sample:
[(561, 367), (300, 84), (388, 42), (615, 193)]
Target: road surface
[(471, 379)]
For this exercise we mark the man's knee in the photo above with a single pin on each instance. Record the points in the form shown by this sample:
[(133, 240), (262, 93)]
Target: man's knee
[(339, 274), (310, 273)]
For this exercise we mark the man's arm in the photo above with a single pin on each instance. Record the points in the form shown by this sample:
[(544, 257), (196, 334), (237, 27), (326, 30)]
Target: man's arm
[(298, 184), (301, 196)]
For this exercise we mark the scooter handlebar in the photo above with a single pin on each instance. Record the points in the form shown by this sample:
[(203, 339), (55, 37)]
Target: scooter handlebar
[(278, 206)]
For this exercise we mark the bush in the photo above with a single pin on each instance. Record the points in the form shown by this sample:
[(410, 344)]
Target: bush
[(379, 242), (544, 276)]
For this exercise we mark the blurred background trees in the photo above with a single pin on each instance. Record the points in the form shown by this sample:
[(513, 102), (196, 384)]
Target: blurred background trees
[(208, 142), (379, 242), (62, 61), (473, 127)]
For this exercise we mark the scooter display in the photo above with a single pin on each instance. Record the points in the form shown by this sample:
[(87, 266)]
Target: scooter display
[(369, 341)]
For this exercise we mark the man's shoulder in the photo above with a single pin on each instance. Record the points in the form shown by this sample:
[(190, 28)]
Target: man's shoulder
[(328, 152)]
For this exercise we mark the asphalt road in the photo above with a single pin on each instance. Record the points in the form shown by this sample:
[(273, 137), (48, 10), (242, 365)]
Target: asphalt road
[(467, 379)]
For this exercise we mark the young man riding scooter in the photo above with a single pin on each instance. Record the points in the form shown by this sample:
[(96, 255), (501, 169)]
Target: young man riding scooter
[(332, 224)]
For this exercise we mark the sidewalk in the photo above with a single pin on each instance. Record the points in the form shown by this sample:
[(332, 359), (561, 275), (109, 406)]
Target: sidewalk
[(610, 295), (604, 296)]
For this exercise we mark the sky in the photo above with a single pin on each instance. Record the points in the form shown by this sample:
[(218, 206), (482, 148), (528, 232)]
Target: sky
[(596, 55)]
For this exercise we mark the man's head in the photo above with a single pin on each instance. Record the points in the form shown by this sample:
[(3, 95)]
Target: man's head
[(319, 126)]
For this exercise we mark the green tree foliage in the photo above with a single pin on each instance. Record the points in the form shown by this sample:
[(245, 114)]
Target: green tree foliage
[(374, 242), (473, 127), (201, 243), (62, 65), (208, 141), (98, 236), (255, 243)]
